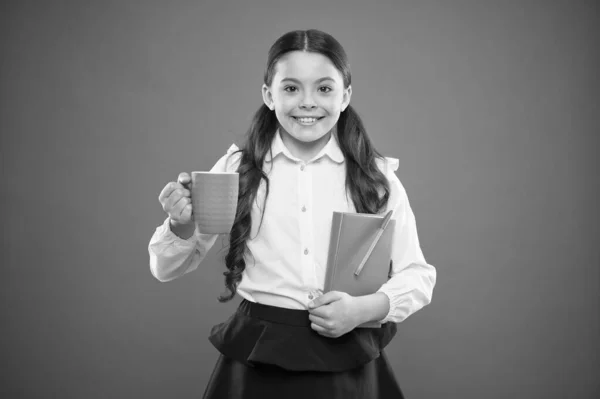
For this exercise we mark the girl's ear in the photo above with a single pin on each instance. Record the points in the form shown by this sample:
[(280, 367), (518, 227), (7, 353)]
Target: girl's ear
[(346, 98), (267, 97)]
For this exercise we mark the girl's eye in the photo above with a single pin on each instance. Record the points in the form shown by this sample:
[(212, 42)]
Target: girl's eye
[(290, 88), (325, 89)]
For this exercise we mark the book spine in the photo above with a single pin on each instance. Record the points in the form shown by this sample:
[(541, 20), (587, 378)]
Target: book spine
[(333, 250), (370, 324), (337, 247)]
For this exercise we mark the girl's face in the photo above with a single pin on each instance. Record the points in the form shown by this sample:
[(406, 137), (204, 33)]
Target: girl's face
[(307, 95)]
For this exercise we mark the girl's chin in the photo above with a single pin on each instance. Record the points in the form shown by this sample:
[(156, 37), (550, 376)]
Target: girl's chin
[(310, 138), (304, 135)]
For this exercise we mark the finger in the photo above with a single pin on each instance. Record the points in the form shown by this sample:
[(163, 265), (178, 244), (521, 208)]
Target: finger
[(186, 214), (176, 195), (166, 191), (320, 330), (179, 207), (322, 312), (319, 321), (184, 179), (325, 299)]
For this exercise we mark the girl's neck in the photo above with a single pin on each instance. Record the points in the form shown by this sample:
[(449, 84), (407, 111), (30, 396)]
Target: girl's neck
[(301, 149)]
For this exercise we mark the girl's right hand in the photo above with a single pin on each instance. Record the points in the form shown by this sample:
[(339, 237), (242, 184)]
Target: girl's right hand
[(176, 200)]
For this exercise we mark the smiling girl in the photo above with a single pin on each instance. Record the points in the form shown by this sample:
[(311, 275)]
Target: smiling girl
[(307, 155)]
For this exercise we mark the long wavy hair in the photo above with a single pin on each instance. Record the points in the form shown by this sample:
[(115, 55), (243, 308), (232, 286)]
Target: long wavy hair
[(366, 184)]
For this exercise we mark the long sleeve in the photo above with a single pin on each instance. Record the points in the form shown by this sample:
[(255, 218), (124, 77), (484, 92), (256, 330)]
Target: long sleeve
[(411, 286), (171, 256)]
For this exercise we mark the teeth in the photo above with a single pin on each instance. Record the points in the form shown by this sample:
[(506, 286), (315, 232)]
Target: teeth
[(306, 120)]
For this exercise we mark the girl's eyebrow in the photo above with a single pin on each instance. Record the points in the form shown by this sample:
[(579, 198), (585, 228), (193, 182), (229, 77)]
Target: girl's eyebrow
[(317, 81)]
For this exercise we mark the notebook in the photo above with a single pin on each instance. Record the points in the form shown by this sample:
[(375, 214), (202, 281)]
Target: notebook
[(351, 237)]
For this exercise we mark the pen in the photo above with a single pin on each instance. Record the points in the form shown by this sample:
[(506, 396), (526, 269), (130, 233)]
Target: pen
[(380, 231)]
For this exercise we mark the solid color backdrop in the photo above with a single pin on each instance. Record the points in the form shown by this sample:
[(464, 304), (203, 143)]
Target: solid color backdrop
[(491, 107)]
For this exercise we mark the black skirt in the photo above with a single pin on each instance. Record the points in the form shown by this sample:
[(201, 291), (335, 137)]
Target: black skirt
[(271, 352)]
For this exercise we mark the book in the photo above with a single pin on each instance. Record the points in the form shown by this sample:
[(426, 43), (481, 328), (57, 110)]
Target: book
[(352, 236)]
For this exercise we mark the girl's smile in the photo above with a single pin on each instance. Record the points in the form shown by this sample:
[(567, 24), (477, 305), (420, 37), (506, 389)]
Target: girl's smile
[(307, 121)]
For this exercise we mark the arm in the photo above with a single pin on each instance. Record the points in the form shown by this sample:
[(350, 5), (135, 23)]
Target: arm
[(411, 286), (177, 250)]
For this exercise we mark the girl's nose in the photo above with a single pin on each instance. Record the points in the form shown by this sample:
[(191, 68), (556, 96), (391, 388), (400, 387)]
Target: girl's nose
[(306, 105), (308, 102)]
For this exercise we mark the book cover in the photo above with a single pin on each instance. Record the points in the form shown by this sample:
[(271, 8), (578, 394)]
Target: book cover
[(351, 237)]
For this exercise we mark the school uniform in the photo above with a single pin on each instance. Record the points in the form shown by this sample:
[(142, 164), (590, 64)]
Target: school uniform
[(267, 347)]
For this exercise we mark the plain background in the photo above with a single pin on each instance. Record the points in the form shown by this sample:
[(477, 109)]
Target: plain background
[(491, 107)]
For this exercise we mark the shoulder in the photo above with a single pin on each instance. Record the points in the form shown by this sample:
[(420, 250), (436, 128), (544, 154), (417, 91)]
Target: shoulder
[(388, 167), (230, 161)]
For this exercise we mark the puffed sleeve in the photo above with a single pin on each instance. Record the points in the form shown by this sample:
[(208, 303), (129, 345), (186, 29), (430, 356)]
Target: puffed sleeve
[(171, 256), (411, 286)]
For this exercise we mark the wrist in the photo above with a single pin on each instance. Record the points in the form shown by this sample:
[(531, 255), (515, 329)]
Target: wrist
[(183, 231), (373, 307)]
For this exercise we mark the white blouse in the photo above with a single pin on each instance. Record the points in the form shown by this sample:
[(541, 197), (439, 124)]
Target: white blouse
[(286, 267)]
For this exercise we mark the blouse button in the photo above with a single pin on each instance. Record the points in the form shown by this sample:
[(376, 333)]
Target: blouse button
[(310, 296), (303, 209), (306, 251), (302, 167)]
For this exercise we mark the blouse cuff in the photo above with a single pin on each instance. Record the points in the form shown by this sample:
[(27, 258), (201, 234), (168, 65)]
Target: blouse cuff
[(165, 234), (399, 306)]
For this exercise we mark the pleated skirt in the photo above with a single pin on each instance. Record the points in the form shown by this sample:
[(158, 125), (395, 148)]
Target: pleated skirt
[(270, 352)]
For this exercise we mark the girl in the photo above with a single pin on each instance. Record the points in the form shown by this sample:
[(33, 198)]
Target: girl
[(307, 155)]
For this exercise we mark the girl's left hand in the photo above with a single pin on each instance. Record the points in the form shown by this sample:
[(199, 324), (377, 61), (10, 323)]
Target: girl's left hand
[(333, 314)]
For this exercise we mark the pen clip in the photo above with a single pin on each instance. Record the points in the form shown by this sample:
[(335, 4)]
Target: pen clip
[(380, 230)]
